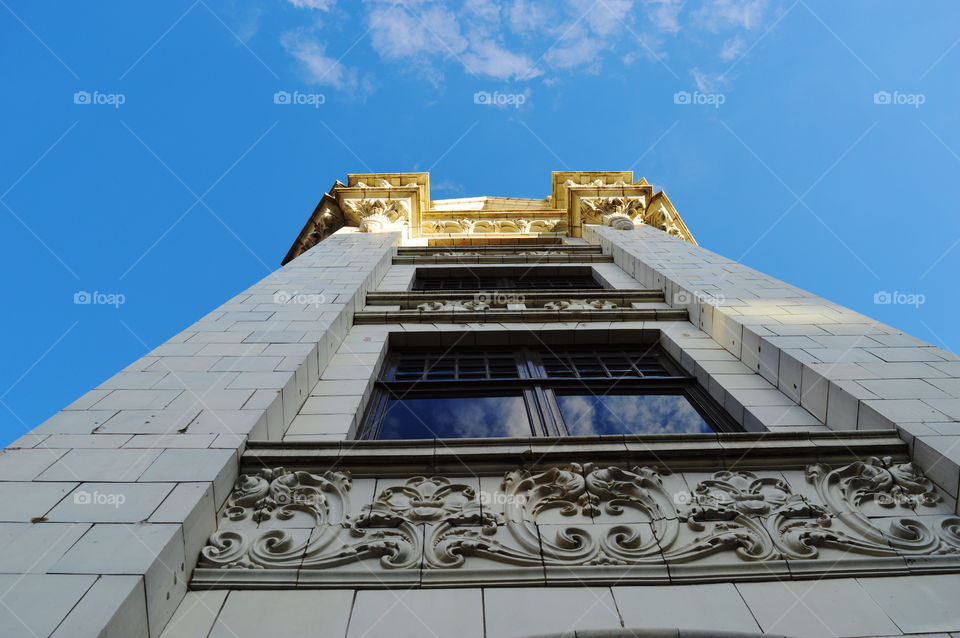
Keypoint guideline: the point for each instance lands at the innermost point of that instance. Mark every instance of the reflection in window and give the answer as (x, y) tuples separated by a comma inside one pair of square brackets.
[(630, 414), (455, 417), (426, 393)]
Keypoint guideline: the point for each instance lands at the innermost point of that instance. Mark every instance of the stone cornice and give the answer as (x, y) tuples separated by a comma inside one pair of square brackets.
[(378, 202)]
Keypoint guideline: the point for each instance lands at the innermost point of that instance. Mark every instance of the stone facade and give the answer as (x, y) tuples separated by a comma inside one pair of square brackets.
[(217, 486)]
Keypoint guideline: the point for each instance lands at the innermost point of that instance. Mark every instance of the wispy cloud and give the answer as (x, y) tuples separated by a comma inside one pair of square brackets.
[(708, 82), (323, 5), (322, 69), (664, 14), (717, 15), (732, 48), (517, 40)]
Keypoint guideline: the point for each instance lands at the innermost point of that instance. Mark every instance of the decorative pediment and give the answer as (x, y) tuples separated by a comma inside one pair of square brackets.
[(383, 202)]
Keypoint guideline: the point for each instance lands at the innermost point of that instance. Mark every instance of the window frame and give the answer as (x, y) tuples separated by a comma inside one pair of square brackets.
[(503, 277), (539, 390)]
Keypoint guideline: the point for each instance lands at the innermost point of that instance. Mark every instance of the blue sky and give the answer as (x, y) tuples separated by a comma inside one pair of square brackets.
[(144, 155)]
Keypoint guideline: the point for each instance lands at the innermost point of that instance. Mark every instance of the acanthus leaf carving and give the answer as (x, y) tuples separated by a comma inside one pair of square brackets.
[(618, 212), (376, 214)]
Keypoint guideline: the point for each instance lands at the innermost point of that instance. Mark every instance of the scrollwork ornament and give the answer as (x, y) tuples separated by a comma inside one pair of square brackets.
[(441, 523), (847, 489)]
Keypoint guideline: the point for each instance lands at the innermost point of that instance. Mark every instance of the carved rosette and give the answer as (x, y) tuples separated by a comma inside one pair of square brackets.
[(441, 524), (376, 215)]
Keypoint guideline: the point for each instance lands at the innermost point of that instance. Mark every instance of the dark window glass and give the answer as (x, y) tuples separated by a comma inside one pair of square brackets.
[(630, 414), (609, 364), (506, 283), (455, 417), (496, 392), (441, 366)]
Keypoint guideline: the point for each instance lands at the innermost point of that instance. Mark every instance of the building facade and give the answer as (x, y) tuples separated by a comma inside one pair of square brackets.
[(498, 417)]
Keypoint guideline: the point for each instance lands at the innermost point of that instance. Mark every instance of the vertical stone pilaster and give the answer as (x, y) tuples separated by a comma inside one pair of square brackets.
[(128, 478)]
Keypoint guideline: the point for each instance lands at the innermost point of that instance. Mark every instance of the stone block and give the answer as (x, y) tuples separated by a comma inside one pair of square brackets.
[(416, 613), (115, 607), (100, 465), (153, 551), (34, 604)]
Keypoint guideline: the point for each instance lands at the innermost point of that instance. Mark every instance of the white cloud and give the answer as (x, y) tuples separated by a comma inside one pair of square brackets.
[(484, 10), (517, 40), (664, 14), (525, 16), (396, 33), (708, 82), (716, 15), (732, 48), (489, 58), (323, 5), (580, 51), (605, 18), (321, 69)]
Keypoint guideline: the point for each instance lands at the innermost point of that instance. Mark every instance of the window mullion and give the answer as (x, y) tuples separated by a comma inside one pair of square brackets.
[(551, 411)]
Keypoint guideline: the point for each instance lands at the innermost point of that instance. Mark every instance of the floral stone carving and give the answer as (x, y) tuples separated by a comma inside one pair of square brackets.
[(581, 304), (466, 226), (618, 212), (431, 523), (376, 214), (434, 306)]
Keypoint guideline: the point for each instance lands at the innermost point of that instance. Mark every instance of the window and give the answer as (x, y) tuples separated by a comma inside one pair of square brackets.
[(497, 278), (427, 393)]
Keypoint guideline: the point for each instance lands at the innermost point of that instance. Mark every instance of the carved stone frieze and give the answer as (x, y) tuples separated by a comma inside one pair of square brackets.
[(375, 183), (468, 225), (581, 304), (615, 516), (458, 254), (434, 306)]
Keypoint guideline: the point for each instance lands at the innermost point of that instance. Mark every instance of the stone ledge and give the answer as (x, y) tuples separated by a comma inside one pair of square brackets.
[(784, 450)]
